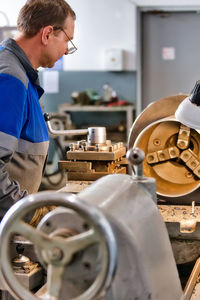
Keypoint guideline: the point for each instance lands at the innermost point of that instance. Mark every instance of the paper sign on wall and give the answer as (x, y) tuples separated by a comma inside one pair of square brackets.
[(168, 53), (51, 82)]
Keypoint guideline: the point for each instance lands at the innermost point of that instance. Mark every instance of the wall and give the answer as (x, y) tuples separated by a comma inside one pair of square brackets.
[(11, 9), (100, 25), (124, 83)]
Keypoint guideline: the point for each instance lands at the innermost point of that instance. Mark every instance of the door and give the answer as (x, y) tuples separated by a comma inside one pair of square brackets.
[(170, 54)]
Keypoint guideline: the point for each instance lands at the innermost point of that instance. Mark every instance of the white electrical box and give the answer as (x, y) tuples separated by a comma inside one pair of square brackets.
[(114, 59)]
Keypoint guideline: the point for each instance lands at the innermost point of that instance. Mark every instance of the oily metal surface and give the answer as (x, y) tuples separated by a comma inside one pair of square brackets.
[(157, 110), (95, 155), (182, 221)]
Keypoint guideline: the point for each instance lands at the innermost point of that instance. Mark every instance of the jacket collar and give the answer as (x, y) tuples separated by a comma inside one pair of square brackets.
[(13, 47)]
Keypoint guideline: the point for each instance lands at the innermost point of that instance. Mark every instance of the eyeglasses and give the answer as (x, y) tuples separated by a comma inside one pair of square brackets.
[(71, 49)]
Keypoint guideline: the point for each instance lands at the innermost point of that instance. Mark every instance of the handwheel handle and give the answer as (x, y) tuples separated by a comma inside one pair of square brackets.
[(14, 217)]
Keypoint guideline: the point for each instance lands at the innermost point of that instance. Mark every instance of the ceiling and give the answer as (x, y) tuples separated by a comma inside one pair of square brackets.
[(159, 3)]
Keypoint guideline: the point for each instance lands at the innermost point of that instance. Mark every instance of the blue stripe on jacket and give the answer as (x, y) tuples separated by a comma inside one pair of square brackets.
[(22, 114)]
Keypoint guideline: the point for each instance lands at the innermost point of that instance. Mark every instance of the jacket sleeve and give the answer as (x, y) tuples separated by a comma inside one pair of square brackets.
[(10, 191), (13, 113)]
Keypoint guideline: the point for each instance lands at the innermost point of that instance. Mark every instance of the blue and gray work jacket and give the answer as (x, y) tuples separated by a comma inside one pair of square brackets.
[(23, 133)]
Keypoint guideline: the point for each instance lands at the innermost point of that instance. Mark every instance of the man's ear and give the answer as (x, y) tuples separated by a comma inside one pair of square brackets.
[(46, 32)]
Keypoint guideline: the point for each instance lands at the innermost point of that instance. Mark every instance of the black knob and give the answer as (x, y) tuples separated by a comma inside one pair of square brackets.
[(195, 94), (46, 117), (20, 248)]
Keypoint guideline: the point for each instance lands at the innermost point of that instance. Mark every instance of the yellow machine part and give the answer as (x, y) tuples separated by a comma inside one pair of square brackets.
[(172, 151)]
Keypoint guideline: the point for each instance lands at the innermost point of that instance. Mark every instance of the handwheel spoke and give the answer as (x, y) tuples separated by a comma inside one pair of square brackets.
[(35, 236), (81, 241), (54, 280)]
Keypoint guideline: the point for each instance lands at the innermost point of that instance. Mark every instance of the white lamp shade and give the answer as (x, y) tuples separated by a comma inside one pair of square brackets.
[(188, 114)]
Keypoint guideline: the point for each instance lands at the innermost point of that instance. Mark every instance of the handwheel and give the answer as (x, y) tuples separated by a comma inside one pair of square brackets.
[(57, 253)]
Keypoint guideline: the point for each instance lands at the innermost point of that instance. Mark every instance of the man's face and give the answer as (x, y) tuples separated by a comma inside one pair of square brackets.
[(58, 44)]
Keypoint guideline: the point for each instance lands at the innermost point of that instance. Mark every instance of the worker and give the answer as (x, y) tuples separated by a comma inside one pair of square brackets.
[(45, 29)]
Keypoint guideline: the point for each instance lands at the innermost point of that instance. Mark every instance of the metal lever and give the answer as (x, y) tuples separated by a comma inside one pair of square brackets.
[(68, 132), (95, 135), (136, 156)]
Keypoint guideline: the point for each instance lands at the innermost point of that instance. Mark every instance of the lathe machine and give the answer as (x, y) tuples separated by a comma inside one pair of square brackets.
[(110, 240)]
